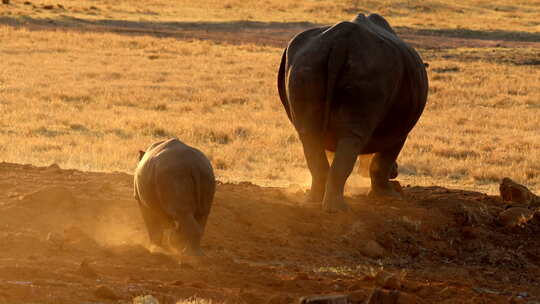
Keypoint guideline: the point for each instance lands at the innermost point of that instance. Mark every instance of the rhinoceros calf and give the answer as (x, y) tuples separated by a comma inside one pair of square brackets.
[(354, 88), (174, 185)]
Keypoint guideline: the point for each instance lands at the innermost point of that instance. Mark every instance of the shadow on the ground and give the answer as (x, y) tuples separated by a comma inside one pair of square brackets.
[(475, 34), (275, 34)]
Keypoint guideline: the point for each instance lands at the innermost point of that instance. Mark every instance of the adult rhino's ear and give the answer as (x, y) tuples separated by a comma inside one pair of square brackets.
[(141, 154)]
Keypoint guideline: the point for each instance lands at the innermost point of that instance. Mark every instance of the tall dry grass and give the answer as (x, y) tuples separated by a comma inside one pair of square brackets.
[(91, 100), (492, 15)]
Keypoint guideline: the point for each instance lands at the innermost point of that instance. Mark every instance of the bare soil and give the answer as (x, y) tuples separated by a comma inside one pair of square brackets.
[(68, 236), (71, 237)]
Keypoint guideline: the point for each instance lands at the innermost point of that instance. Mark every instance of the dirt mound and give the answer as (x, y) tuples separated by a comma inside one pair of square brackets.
[(69, 236)]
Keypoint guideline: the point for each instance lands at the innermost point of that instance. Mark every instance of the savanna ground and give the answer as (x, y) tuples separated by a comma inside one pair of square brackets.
[(85, 84)]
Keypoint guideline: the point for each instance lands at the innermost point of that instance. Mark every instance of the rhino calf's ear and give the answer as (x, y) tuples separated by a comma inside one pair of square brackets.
[(141, 154)]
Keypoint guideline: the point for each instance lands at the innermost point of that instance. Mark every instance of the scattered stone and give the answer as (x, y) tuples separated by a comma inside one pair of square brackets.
[(449, 253), (332, 299), (105, 292), (27, 3), (48, 7), (60, 6), (514, 192), (381, 296), (523, 294), (397, 186), (5, 1), (471, 232), (148, 299), (388, 280), (517, 300), (515, 217), (359, 296), (372, 249), (53, 168)]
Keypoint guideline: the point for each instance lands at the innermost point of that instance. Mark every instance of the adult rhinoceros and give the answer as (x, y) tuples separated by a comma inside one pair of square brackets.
[(354, 88)]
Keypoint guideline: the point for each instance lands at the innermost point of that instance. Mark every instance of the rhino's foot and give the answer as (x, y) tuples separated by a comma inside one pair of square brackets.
[(314, 196), (388, 193), (389, 190), (335, 205)]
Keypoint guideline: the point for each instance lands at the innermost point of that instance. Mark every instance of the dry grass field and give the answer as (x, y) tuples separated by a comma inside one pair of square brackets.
[(86, 84), (86, 98)]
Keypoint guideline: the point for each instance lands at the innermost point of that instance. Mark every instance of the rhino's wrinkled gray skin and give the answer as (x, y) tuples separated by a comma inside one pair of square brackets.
[(357, 89), (174, 185)]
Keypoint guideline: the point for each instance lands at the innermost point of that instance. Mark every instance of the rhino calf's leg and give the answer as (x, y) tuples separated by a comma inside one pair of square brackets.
[(155, 224), (342, 166), (383, 167), (189, 233), (318, 166)]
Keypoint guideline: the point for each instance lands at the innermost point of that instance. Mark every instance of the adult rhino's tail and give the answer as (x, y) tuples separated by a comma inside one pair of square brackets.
[(337, 57), (281, 84)]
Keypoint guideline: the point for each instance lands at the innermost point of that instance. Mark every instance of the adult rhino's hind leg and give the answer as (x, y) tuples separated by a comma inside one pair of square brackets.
[(342, 166), (364, 163), (384, 167), (318, 166)]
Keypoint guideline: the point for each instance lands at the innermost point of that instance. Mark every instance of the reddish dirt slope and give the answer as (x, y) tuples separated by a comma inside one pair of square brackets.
[(68, 236)]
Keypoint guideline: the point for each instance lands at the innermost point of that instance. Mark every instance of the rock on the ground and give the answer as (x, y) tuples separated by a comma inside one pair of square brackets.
[(515, 217), (5, 1), (148, 299), (514, 192), (372, 249), (388, 280), (397, 186), (328, 299), (105, 292), (382, 296)]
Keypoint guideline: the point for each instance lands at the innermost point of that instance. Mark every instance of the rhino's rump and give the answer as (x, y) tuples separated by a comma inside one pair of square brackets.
[(381, 84), (175, 180)]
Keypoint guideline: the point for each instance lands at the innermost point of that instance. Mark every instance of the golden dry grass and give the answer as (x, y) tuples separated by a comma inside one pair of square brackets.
[(486, 15), (91, 100)]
